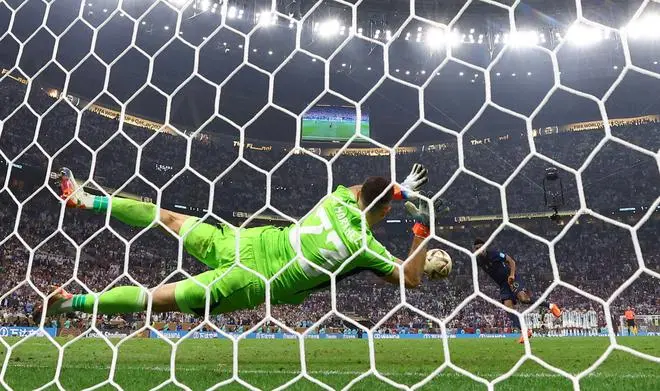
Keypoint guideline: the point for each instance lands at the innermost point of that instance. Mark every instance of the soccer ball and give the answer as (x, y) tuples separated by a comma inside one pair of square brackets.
[(438, 264)]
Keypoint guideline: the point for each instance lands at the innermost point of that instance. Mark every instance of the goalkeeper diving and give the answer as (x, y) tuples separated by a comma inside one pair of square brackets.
[(329, 237)]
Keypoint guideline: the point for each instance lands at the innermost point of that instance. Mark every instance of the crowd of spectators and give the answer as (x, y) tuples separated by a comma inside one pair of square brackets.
[(594, 256)]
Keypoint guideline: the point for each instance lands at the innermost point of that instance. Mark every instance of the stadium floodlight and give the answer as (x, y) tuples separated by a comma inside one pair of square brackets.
[(423, 72), (388, 34), (471, 31), (368, 68), (581, 35), (407, 72), (359, 31), (523, 38), (647, 27), (232, 12), (270, 52), (529, 73), (105, 10), (435, 38), (266, 19), (513, 74), (419, 29), (329, 28), (497, 74), (166, 27), (240, 14), (460, 73), (205, 5), (407, 36), (497, 38)]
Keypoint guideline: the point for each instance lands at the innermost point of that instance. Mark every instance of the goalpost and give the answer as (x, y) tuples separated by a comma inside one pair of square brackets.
[(444, 33)]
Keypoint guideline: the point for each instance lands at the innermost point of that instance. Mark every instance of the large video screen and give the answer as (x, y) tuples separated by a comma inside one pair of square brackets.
[(332, 123)]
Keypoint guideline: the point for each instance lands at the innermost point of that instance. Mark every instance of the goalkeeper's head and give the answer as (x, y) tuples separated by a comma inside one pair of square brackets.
[(374, 189)]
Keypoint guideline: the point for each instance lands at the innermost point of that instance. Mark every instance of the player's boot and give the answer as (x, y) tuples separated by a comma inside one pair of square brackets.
[(54, 303), (529, 336), (69, 189), (556, 311)]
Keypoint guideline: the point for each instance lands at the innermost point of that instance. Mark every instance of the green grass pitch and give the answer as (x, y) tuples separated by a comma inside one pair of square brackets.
[(320, 130), (145, 363)]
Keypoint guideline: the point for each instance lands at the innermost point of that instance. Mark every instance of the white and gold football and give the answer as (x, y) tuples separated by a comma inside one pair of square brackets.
[(438, 264)]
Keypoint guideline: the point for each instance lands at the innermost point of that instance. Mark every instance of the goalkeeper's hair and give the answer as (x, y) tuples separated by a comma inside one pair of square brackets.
[(373, 188), (479, 241)]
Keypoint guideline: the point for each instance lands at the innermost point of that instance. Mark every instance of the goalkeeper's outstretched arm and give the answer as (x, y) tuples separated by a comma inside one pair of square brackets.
[(413, 267)]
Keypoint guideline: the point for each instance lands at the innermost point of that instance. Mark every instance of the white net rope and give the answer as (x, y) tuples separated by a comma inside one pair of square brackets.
[(486, 72)]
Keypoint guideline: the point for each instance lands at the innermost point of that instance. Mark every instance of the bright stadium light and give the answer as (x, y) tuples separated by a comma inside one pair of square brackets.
[(329, 28), (581, 35), (647, 27), (523, 38), (205, 5), (359, 31), (240, 14), (388, 35), (407, 36), (232, 12), (435, 38)]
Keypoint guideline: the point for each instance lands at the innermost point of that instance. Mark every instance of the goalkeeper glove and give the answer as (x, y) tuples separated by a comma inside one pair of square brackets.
[(418, 176), (420, 213)]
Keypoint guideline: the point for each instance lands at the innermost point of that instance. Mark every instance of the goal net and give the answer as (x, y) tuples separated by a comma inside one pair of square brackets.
[(539, 126)]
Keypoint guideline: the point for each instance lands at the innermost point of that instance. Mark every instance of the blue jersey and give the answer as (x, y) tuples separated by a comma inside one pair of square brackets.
[(494, 264)]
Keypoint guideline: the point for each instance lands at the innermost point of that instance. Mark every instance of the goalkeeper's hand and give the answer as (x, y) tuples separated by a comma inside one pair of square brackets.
[(413, 183), (420, 213)]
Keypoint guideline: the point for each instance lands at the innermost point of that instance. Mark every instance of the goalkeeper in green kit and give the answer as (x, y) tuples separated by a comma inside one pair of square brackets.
[(327, 238)]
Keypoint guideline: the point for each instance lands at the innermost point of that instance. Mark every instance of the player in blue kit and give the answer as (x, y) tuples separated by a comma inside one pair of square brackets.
[(502, 269)]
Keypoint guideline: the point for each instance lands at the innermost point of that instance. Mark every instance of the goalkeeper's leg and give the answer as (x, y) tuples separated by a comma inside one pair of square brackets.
[(119, 300), (131, 212)]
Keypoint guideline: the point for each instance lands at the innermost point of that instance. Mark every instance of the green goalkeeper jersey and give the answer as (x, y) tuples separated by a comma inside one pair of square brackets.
[(330, 237)]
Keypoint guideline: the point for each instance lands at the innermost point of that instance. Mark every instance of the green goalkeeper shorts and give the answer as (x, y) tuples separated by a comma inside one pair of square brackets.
[(229, 288)]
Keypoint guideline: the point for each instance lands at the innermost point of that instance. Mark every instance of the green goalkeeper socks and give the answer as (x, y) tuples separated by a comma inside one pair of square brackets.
[(131, 212), (120, 300)]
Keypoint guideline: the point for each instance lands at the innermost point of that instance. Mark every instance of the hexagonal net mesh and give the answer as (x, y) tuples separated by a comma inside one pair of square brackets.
[(127, 142)]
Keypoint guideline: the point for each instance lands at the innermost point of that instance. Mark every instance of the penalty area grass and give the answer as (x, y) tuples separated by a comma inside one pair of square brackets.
[(145, 363)]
